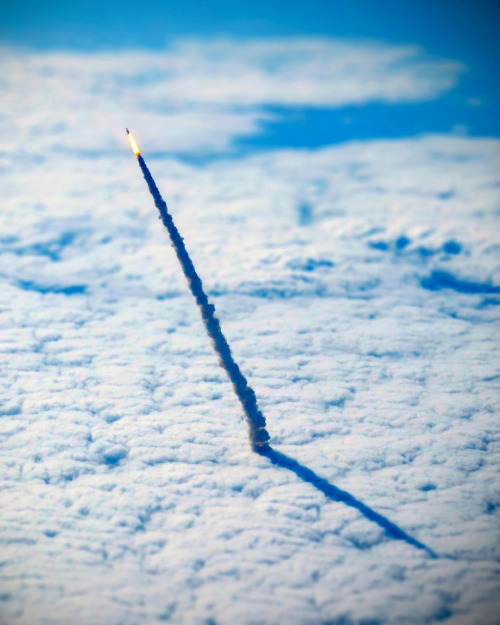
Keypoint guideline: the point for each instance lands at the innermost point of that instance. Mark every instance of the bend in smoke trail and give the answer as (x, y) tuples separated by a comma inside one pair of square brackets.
[(254, 417), (336, 494), (259, 436)]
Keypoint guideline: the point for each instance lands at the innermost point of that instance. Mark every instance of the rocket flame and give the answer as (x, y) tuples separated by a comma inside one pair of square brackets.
[(133, 143)]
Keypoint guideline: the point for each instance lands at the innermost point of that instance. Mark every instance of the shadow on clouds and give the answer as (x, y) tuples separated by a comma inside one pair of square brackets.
[(336, 494), (256, 422)]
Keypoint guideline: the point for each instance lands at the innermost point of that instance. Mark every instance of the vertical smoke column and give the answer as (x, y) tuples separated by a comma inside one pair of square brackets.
[(259, 436)]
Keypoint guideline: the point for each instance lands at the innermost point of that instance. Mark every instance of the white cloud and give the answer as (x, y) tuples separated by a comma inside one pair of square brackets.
[(199, 96), (129, 491)]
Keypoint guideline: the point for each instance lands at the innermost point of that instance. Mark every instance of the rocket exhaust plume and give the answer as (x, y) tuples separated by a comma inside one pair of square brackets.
[(133, 144), (256, 422)]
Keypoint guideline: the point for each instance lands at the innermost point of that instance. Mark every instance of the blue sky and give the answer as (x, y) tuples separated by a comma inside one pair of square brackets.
[(446, 27), (465, 31)]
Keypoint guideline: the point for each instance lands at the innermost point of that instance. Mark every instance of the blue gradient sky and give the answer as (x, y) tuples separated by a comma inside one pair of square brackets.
[(465, 31)]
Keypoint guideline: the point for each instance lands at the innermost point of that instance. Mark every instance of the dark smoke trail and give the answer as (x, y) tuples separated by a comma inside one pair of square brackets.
[(255, 419), (256, 422)]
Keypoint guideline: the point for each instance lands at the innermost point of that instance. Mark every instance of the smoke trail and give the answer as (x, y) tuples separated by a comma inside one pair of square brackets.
[(255, 419), (256, 422)]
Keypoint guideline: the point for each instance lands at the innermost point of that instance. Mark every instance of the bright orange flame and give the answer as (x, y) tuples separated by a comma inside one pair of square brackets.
[(133, 144)]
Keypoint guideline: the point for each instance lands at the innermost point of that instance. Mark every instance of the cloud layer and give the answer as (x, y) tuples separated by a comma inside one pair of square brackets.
[(129, 492), (199, 96), (129, 477)]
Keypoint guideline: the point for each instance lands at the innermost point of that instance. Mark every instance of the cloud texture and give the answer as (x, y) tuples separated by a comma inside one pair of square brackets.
[(129, 492), (200, 95)]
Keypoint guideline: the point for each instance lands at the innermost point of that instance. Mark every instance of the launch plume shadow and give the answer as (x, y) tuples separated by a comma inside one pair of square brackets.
[(256, 422), (336, 494)]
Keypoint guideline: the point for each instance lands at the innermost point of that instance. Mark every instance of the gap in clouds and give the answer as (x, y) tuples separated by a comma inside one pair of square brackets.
[(207, 97), (316, 127)]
